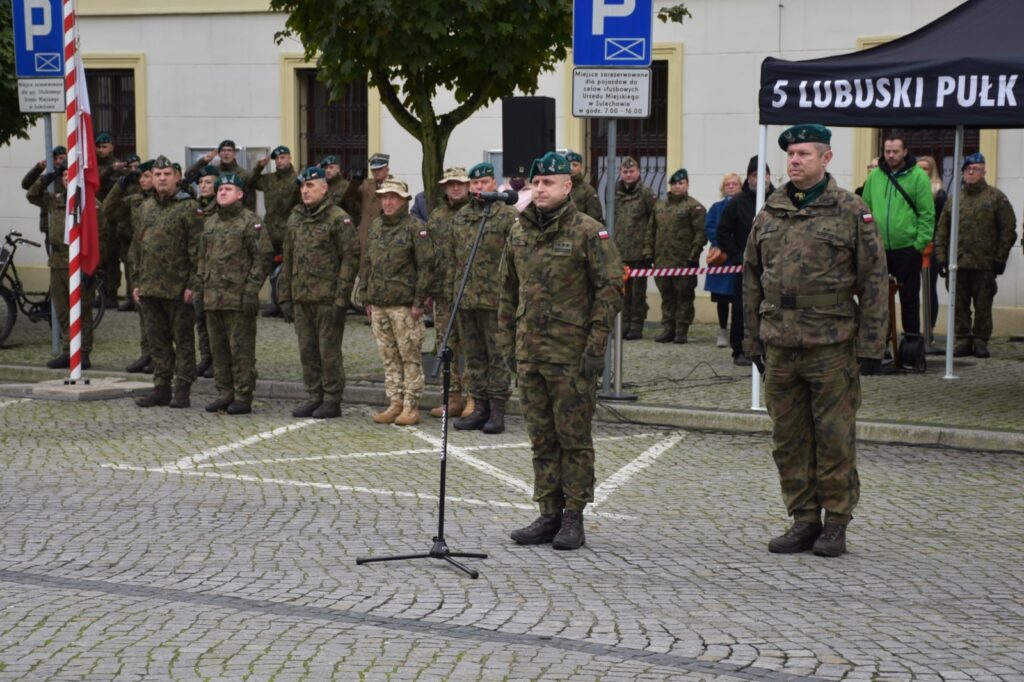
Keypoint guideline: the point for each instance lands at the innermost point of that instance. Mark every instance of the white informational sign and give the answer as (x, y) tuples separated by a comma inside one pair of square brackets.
[(41, 95), (611, 93)]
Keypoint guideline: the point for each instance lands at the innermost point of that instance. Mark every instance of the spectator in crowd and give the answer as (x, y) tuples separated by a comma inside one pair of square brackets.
[(928, 165), (722, 287)]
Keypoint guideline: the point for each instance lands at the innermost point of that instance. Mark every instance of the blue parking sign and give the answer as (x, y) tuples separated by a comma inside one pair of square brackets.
[(38, 38), (612, 32)]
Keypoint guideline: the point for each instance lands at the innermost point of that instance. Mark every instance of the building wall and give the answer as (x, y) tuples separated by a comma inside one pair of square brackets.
[(208, 73)]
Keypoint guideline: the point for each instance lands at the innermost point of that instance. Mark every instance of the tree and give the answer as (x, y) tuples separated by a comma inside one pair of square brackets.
[(411, 49), (13, 123)]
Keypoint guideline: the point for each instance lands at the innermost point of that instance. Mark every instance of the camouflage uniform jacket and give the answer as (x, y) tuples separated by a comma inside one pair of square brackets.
[(336, 188), (168, 245), (55, 205), (561, 287), (125, 205), (321, 256), (108, 175), (483, 288), (585, 197), (439, 225), (830, 246), (634, 219), (988, 228), (34, 174), (679, 235), (398, 265), (234, 256), (280, 196)]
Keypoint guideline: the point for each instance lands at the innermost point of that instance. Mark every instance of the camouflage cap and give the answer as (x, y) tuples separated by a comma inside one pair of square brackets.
[(146, 166), (481, 170), (229, 179), (311, 173), (679, 176), (454, 174), (281, 149), (573, 157), (805, 132), (971, 159), (57, 151), (133, 158), (628, 162), (104, 138), (176, 166), (230, 144), (209, 170), (378, 161), (329, 160), (394, 186), (551, 163), (162, 162)]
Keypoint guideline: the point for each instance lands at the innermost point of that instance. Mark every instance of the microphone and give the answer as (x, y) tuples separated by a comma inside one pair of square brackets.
[(509, 196)]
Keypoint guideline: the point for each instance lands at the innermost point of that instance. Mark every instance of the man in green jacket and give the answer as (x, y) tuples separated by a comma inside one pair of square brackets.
[(899, 195), (634, 238)]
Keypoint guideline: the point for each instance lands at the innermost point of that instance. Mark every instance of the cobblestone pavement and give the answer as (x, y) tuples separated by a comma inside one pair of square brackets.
[(989, 394), (154, 544)]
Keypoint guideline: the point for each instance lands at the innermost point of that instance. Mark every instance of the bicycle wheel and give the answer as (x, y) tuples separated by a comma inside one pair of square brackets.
[(8, 312), (99, 306)]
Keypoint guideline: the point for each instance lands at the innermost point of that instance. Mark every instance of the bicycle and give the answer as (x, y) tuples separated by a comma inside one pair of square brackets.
[(34, 305)]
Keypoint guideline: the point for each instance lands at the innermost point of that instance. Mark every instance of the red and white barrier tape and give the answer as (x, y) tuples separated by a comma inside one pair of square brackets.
[(685, 272)]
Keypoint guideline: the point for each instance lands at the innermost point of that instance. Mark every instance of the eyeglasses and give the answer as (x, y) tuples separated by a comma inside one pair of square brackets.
[(973, 170)]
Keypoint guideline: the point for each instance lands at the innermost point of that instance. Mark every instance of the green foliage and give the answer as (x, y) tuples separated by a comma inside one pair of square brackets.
[(675, 14), (12, 122)]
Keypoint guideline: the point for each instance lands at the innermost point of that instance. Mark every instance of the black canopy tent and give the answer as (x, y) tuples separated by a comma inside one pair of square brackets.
[(966, 68)]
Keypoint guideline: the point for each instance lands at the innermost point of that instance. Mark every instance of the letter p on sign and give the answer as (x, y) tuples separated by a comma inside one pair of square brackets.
[(34, 8), (604, 9)]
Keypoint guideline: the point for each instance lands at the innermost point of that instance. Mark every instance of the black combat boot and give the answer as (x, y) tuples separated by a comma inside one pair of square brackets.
[(542, 530), (681, 335), (832, 541), (477, 418), (799, 538), (86, 362), (204, 365), (158, 397), (666, 336), (139, 365), (239, 407), (981, 350), (963, 350), (570, 535), (218, 404), (271, 310), (496, 422), (181, 398), (62, 361), (126, 307), (306, 409), (327, 410), (634, 334)]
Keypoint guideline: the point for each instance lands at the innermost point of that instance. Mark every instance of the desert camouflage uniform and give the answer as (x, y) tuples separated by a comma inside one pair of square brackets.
[(802, 269), (634, 238), (585, 197), (321, 257), (988, 230), (234, 257), (678, 240), (440, 228), (561, 289)]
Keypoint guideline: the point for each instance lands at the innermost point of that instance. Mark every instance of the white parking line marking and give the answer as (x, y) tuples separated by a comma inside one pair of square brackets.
[(15, 401), (620, 477), (316, 458), (477, 464), (191, 461)]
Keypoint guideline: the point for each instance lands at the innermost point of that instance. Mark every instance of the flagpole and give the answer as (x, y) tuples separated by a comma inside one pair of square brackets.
[(74, 192)]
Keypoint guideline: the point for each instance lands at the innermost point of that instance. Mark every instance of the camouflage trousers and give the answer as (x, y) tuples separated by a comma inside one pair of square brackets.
[(400, 341), (442, 315), (144, 348), (812, 395), (203, 337), (677, 296), (111, 257), (233, 345), (634, 306), (320, 337), (558, 405), (170, 330), (60, 295), (977, 288), (486, 370)]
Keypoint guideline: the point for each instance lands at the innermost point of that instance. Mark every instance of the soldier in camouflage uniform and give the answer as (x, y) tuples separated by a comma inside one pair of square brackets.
[(561, 289), (110, 169), (337, 185), (167, 254), (678, 240), (56, 207), (60, 160), (280, 195), (456, 195), (988, 230), (207, 198), (634, 237), (583, 193), (486, 369), (812, 249), (226, 151), (368, 197), (234, 256), (321, 257), (397, 278)]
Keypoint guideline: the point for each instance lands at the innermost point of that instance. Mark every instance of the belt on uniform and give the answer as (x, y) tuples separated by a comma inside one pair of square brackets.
[(795, 301)]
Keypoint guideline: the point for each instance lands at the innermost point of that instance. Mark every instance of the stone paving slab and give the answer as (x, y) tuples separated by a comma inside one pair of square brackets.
[(90, 388)]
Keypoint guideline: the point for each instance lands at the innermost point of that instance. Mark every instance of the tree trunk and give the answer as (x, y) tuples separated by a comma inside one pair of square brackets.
[(434, 143)]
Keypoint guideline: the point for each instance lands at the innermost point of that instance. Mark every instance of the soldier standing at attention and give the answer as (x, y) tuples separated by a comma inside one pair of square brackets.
[(369, 197), (280, 195), (988, 229), (234, 256), (561, 289), (634, 237), (812, 249), (678, 240), (337, 185), (110, 169), (168, 248), (397, 278), (583, 193), (207, 208), (321, 257), (455, 183), (226, 152), (486, 367)]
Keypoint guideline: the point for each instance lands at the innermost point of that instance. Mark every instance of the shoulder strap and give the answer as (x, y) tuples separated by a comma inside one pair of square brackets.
[(899, 188)]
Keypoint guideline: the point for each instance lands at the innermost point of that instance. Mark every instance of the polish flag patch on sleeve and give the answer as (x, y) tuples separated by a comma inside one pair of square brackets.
[(603, 234), (867, 217), (423, 234)]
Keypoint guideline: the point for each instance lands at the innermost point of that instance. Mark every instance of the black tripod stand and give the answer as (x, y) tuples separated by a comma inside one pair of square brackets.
[(440, 548)]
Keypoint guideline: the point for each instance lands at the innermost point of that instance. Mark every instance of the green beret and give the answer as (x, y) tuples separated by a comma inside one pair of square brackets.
[(227, 143), (280, 150), (805, 132), (176, 166), (162, 162), (57, 151), (481, 170), (551, 163), (229, 179), (133, 158), (312, 173), (329, 160), (209, 170), (146, 166), (104, 138), (679, 176), (573, 157)]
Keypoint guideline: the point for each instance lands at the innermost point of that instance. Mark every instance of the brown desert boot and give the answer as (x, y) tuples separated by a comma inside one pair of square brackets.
[(389, 415), (570, 535)]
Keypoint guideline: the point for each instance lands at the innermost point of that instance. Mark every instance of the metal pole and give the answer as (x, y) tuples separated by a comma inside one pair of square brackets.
[(954, 235), (48, 155), (762, 166)]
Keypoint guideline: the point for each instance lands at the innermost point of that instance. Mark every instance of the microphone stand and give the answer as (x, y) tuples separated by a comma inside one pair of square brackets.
[(440, 549)]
